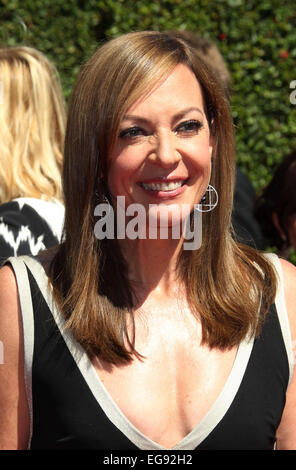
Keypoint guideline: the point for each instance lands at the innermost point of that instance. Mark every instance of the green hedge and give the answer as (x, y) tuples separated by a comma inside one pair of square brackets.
[(257, 40)]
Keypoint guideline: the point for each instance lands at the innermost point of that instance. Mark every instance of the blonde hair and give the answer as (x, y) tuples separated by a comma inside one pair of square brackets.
[(32, 125), (227, 284)]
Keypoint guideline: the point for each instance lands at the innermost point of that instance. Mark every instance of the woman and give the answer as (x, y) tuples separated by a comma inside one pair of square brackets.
[(32, 128), (275, 208), (163, 347)]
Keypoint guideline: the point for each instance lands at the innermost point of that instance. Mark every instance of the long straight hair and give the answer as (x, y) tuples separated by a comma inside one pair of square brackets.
[(229, 286)]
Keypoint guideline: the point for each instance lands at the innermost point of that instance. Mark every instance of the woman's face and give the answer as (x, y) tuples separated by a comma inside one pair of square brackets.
[(162, 155)]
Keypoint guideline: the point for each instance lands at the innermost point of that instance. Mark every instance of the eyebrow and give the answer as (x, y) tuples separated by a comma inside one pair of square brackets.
[(176, 117)]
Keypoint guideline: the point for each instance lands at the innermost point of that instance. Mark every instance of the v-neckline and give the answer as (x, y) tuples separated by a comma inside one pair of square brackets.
[(211, 419), (199, 432)]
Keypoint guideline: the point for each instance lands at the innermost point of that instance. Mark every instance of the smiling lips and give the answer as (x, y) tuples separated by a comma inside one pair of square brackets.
[(163, 185), (164, 188)]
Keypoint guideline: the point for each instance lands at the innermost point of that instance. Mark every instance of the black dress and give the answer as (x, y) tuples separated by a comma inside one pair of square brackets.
[(71, 409)]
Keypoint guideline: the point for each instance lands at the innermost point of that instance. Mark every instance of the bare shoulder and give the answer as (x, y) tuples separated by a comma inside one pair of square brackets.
[(9, 318), (9, 306), (286, 433), (289, 276), (7, 279), (14, 421), (289, 271)]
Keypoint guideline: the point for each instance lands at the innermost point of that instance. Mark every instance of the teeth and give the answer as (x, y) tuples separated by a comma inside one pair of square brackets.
[(162, 186)]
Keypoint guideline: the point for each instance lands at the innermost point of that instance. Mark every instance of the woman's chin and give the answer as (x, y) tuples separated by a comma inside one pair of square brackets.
[(169, 219)]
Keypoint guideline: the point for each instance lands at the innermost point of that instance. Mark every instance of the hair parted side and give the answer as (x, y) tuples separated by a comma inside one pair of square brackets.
[(32, 125), (89, 275)]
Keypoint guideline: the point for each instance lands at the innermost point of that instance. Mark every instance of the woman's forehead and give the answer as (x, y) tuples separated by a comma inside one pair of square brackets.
[(179, 89)]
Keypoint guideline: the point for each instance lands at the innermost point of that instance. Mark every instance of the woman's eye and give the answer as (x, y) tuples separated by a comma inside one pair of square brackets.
[(189, 127), (131, 133)]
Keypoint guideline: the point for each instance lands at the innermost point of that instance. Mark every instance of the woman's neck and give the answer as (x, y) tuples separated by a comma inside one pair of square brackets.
[(153, 263)]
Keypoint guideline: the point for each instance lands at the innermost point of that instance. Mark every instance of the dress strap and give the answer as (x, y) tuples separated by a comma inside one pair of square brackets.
[(27, 317), (281, 308)]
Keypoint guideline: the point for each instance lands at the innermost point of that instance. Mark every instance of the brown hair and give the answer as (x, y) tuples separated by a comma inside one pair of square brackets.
[(225, 281)]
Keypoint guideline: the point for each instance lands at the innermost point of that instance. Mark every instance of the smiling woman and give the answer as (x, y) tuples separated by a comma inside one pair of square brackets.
[(163, 157), (139, 343)]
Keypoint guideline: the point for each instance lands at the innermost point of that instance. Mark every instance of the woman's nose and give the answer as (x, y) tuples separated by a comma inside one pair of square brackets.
[(165, 153)]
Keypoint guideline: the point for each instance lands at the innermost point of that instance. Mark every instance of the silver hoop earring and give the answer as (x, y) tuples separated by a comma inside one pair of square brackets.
[(209, 200)]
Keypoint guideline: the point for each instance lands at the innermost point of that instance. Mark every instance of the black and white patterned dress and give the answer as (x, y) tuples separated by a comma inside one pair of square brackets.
[(29, 225)]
